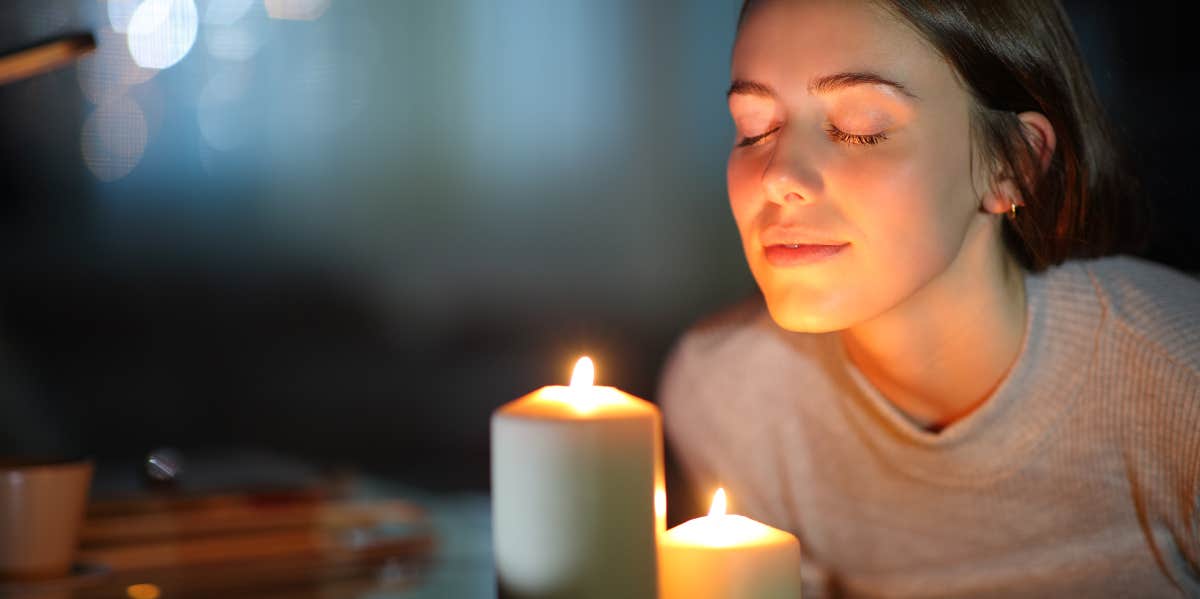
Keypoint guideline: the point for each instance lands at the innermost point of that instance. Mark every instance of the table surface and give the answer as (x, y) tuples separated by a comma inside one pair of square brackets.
[(358, 537)]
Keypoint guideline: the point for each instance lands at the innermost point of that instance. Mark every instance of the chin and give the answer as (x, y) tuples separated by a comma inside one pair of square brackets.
[(806, 306), (802, 317)]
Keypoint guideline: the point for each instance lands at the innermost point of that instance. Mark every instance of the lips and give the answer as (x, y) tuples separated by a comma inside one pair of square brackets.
[(799, 254)]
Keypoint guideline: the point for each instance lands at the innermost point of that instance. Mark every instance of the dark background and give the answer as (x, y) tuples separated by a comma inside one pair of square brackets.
[(349, 239)]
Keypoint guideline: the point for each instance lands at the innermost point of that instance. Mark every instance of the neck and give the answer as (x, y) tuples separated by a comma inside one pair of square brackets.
[(940, 353)]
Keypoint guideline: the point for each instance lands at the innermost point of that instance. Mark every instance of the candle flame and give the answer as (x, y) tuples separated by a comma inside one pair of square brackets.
[(585, 373), (718, 503), (721, 529)]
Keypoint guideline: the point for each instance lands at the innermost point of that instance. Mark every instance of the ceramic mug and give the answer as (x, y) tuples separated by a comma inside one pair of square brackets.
[(42, 506)]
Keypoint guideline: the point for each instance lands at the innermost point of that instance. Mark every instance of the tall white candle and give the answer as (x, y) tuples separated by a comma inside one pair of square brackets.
[(576, 484), (725, 556)]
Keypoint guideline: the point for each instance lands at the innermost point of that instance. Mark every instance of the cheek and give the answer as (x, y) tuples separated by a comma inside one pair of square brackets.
[(743, 188), (914, 206)]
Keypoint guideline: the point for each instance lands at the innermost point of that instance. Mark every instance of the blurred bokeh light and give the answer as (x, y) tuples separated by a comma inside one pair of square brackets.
[(226, 12), (304, 10), (114, 138), (108, 72), (120, 12), (162, 32)]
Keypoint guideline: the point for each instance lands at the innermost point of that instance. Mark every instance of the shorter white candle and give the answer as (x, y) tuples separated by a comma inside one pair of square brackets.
[(726, 556)]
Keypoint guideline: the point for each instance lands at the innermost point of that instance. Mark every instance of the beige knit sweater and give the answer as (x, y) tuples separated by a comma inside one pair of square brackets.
[(1079, 477)]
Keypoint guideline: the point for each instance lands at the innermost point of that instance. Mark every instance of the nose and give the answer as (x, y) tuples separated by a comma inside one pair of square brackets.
[(790, 177)]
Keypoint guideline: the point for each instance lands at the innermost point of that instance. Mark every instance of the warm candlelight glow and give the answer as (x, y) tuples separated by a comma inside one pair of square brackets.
[(721, 529), (584, 374), (660, 508), (723, 555), (718, 503), (581, 399), (143, 591)]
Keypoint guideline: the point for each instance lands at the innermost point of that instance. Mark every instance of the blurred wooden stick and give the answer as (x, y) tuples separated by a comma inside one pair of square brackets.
[(243, 518), (44, 57), (255, 551)]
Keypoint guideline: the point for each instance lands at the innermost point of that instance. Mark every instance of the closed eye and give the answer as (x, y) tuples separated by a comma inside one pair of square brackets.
[(753, 139), (855, 139)]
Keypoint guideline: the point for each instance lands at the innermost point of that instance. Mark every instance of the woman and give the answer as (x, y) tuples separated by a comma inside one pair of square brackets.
[(944, 390)]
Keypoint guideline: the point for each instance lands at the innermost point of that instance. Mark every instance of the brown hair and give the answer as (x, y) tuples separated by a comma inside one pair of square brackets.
[(1021, 55)]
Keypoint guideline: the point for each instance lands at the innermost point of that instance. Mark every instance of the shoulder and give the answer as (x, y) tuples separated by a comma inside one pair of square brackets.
[(1149, 370), (719, 340), (735, 328), (732, 362), (1147, 364), (1153, 308)]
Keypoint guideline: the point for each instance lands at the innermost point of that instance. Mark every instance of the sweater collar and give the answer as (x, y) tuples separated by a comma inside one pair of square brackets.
[(1062, 323)]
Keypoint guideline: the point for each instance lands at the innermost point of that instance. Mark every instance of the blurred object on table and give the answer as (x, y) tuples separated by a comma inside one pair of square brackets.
[(313, 536), (202, 472), (41, 511), (164, 465)]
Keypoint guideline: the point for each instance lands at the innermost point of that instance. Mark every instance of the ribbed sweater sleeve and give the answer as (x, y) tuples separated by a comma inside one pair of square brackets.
[(1150, 365)]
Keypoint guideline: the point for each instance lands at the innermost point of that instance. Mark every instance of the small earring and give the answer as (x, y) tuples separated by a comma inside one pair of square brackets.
[(1012, 210)]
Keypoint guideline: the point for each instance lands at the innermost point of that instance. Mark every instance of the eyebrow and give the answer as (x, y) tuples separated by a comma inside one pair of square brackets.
[(822, 85), (749, 88)]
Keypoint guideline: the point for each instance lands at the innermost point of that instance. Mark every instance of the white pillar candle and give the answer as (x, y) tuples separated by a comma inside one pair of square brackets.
[(725, 556), (577, 499)]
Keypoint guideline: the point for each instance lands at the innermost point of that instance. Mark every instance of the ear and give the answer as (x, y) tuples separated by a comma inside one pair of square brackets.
[(1039, 134)]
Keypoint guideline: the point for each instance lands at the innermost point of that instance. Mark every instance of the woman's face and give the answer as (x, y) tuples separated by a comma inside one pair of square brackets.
[(851, 176)]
